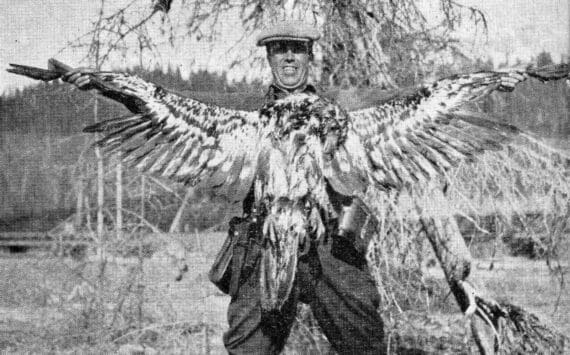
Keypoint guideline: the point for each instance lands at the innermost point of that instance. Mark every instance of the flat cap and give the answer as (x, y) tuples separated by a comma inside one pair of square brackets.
[(288, 31)]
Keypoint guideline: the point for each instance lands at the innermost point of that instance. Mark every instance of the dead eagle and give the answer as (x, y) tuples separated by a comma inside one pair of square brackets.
[(291, 149)]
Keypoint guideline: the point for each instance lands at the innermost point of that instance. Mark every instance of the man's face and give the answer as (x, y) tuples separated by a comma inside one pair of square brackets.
[(289, 61)]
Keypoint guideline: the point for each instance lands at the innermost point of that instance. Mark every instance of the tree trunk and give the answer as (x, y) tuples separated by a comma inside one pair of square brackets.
[(455, 259), (79, 195), (100, 178), (498, 328), (143, 192)]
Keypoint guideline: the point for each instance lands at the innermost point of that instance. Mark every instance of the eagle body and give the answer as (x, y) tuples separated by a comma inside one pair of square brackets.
[(295, 150), (290, 184)]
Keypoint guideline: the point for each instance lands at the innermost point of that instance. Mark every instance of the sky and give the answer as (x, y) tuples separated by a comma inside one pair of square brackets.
[(31, 31)]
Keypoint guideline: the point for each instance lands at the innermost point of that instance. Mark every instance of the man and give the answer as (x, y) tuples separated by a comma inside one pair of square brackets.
[(332, 276)]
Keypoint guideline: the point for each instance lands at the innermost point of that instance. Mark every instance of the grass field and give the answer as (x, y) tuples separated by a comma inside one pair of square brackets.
[(52, 305)]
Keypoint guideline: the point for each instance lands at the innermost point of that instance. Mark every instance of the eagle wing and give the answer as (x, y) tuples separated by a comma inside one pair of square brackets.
[(173, 136), (417, 136)]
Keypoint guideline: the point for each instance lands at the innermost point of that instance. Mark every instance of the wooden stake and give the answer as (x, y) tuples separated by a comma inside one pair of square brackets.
[(175, 225)]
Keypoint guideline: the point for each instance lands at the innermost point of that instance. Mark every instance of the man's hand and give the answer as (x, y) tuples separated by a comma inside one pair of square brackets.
[(79, 77), (508, 82)]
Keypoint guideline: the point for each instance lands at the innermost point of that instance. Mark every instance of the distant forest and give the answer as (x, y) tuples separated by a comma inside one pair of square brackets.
[(41, 140)]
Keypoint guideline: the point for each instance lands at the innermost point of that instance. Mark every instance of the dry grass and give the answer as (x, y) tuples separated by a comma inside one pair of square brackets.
[(66, 306), (46, 305)]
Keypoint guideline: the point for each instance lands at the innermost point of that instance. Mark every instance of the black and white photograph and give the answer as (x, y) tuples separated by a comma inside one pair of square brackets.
[(285, 177)]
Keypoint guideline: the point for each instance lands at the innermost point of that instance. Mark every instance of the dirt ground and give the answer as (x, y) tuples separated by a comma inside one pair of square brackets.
[(45, 305)]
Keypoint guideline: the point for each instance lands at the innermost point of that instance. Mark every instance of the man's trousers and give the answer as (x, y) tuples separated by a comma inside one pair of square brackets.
[(332, 278)]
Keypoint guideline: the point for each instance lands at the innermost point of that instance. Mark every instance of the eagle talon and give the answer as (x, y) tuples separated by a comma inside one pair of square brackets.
[(471, 294), (487, 309)]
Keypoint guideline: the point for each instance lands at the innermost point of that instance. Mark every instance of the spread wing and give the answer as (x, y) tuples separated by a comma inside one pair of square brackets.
[(173, 136), (417, 136)]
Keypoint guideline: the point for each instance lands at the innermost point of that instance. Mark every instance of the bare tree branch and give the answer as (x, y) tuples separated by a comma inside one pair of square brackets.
[(364, 42)]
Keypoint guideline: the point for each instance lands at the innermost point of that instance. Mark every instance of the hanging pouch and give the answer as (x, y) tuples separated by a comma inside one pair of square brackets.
[(238, 256), (220, 272)]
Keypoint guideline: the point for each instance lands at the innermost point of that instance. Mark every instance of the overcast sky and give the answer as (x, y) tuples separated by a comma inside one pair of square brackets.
[(31, 31)]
